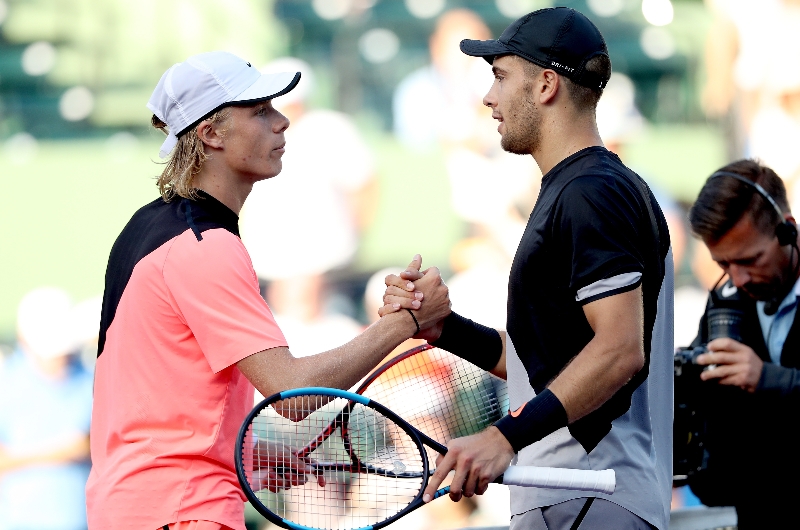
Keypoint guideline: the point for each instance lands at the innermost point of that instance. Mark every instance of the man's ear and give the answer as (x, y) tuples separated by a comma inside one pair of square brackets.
[(549, 85), (208, 133)]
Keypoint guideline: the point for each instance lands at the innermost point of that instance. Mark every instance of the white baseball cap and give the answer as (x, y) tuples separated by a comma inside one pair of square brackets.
[(191, 91)]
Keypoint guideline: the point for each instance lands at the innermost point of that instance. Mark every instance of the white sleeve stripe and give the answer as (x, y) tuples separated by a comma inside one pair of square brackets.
[(608, 284)]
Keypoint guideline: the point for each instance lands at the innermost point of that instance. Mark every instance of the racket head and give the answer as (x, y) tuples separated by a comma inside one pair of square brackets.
[(373, 478), (438, 393)]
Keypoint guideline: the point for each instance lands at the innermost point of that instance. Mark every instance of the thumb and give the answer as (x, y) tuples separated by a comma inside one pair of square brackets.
[(415, 264)]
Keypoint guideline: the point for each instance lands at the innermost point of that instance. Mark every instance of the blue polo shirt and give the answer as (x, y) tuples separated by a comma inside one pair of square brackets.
[(36, 414), (775, 328)]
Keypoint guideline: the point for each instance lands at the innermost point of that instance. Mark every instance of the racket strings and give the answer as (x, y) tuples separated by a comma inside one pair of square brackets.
[(441, 394), (353, 482)]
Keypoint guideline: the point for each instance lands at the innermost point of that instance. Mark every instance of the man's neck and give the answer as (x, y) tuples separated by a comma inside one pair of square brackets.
[(563, 136), (223, 186)]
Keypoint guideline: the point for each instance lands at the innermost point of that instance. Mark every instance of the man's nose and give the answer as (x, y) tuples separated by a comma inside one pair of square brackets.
[(739, 275), (281, 124), (489, 99)]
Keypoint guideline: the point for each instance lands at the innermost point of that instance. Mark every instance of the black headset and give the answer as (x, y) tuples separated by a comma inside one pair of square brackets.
[(786, 231)]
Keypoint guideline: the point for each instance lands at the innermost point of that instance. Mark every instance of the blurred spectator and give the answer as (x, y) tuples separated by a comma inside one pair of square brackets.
[(45, 412), (299, 309), (320, 201), (749, 49), (480, 264), (441, 103), (307, 221), (441, 106), (618, 119)]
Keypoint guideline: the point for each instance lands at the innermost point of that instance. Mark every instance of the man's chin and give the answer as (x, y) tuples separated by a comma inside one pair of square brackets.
[(761, 295), (513, 146)]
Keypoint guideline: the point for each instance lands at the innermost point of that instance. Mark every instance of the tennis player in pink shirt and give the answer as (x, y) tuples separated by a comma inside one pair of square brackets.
[(185, 335)]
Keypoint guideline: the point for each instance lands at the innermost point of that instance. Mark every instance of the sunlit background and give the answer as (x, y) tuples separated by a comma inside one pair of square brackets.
[(412, 155)]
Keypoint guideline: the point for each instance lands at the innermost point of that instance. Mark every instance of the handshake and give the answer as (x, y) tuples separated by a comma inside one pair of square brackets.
[(423, 294)]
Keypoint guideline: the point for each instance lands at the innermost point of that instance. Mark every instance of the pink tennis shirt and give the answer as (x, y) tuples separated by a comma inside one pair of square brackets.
[(181, 308)]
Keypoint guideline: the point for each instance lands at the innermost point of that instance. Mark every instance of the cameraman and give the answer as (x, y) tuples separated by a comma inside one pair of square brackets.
[(751, 385)]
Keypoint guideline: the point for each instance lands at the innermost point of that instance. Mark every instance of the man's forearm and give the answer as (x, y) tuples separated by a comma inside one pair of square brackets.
[(593, 377), (276, 369), (779, 381)]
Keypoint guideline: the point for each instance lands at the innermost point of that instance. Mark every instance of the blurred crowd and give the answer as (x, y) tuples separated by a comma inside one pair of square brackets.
[(46, 382)]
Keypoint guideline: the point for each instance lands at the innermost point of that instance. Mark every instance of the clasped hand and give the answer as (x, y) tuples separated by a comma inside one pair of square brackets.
[(734, 364), (276, 467), (477, 461), (408, 290)]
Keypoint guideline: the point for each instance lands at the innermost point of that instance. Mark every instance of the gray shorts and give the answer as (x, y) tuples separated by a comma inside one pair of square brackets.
[(601, 515)]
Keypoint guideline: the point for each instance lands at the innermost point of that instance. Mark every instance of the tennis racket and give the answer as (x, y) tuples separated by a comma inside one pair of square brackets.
[(320, 458), (438, 393)]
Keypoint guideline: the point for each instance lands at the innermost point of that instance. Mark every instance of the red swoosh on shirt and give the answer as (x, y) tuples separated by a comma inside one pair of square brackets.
[(518, 411)]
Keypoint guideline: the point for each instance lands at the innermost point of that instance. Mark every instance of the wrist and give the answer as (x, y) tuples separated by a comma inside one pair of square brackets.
[(473, 342), (416, 322), (500, 441), (534, 420), (401, 325)]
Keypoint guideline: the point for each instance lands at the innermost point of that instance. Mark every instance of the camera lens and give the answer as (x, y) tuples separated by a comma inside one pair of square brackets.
[(724, 322)]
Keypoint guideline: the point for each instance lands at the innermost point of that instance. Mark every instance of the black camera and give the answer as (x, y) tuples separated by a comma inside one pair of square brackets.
[(690, 423)]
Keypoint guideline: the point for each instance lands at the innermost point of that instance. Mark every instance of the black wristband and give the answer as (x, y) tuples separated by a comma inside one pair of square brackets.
[(473, 342), (415, 319), (533, 421)]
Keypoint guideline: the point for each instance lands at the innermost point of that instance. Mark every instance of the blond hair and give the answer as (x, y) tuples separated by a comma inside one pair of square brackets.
[(186, 159)]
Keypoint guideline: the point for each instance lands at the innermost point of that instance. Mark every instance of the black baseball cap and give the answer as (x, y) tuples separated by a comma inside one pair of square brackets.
[(558, 38)]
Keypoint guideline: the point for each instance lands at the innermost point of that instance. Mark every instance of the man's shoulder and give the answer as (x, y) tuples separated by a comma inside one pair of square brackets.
[(215, 242), (594, 168), (148, 214), (218, 254), (148, 228), (152, 207)]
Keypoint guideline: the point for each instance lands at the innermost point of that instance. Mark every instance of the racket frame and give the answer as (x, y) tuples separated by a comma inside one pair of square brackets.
[(338, 421), (353, 399), (391, 362)]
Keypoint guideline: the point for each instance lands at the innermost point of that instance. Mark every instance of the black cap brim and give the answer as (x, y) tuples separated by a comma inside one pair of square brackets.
[(488, 49)]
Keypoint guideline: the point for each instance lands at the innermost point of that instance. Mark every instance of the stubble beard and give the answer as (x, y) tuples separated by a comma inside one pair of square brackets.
[(524, 136)]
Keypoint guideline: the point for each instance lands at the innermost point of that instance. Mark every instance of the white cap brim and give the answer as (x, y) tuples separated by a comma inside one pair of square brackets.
[(265, 87), (269, 86)]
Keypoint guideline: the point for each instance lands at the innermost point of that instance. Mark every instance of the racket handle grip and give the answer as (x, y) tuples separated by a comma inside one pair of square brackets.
[(604, 481)]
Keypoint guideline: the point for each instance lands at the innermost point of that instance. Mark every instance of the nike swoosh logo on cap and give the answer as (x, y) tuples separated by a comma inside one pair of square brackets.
[(728, 290)]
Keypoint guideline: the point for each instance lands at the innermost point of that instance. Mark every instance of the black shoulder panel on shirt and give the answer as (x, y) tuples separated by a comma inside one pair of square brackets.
[(150, 227)]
